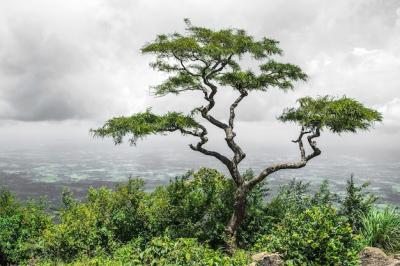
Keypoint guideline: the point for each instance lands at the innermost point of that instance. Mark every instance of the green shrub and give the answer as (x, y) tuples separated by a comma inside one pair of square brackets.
[(186, 251), (293, 197), (197, 205), (317, 236), (98, 225), (20, 228), (324, 196), (122, 210), (79, 233), (164, 251), (381, 228), (356, 204)]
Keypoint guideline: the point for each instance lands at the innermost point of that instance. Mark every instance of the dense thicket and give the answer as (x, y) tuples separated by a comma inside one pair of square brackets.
[(183, 224)]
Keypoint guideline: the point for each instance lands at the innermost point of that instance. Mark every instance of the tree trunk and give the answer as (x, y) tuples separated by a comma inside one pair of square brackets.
[(236, 218)]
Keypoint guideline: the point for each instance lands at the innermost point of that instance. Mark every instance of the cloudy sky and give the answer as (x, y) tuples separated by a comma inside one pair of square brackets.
[(66, 66)]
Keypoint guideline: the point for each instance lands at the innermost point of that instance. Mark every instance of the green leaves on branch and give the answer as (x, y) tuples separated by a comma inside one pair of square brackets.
[(202, 54), (206, 44), (143, 124), (273, 74), (178, 83), (336, 114)]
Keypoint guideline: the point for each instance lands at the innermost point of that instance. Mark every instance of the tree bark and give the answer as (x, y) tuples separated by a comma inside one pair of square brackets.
[(236, 218)]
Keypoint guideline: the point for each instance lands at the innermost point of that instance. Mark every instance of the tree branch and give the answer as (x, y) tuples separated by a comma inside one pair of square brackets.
[(184, 68), (295, 165), (243, 94), (199, 147), (239, 155)]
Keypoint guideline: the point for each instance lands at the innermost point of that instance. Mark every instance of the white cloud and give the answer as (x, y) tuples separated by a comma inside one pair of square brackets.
[(391, 114), (63, 60)]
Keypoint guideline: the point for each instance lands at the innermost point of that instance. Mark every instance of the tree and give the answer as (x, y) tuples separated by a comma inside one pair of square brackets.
[(209, 61)]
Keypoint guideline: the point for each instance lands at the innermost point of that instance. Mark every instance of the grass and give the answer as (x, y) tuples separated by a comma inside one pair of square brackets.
[(381, 228)]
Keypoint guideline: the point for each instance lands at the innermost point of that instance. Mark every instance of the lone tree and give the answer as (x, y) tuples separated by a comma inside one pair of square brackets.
[(210, 61)]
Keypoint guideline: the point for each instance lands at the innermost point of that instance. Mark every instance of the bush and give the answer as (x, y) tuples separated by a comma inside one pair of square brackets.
[(99, 225), (164, 251), (291, 198), (356, 204), (199, 205), (186, 251), (20, 228), (184, 222), (317, 236), (381, 228)]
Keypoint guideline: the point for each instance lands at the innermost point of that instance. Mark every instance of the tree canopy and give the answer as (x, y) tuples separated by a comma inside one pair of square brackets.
[(143, 124), (203, 55), (336, 114), (211, 61)]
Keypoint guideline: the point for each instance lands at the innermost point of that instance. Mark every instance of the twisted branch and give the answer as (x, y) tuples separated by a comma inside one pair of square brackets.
[(295, 165)]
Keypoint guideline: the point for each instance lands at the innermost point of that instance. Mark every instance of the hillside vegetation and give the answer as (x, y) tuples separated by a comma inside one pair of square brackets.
[(183, 224)]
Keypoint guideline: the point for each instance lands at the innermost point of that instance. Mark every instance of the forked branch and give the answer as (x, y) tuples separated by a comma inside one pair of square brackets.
[(294, 165)]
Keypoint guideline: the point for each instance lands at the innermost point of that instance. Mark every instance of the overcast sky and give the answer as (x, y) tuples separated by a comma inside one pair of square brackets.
[(66, 66)]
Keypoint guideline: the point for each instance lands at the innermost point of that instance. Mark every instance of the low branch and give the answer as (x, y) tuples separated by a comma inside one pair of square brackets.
[(295, 165)]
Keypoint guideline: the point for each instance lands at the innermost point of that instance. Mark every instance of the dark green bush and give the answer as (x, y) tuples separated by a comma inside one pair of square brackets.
[(186, 251), (356, 204), (21, 227), (98, 225), (184, 222), (293, 197), (317, 236), (164, 251), (197, 205)]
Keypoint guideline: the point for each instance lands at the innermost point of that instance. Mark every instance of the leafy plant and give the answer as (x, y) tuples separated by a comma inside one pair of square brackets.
[(163, 251), (198, 205), (293, 197), (20, 228), (356, 204), (381, 228), (317, 236)]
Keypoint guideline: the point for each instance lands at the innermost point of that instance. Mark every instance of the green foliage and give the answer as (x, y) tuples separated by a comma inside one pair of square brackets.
[(356, 204), (143, 124), (193, 207), (164, 251), (317, 236), (99, 225), (79, 233), (324, 196), (199, 205), (185, 251), (20, 228), (196, 205), (202, 53), (336, 114), (183, 224), (291, 198), (194, 61), (381, 228)]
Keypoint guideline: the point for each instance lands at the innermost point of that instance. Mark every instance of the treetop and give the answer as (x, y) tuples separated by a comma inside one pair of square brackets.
[(201, 55), (335, 114)]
